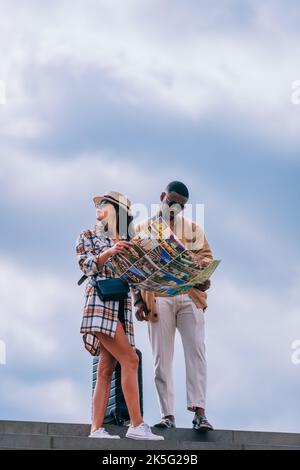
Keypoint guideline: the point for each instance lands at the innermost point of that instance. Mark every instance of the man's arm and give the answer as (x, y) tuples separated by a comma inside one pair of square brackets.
[(204, 251), (141, 312), (206, 257)]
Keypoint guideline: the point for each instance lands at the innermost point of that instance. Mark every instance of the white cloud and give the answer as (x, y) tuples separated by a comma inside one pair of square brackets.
[(252, 382), (47, 375), (199, 73), (55, 183), (28, 311), (60, 399), (24, 127), (40, 314), (57, 186), (250, 331)]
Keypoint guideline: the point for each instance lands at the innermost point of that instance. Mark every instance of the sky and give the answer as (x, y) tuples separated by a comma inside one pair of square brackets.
[(129, 95)]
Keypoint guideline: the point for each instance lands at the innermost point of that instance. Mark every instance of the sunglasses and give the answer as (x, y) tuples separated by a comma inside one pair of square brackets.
[(101, 203), (172, 203)]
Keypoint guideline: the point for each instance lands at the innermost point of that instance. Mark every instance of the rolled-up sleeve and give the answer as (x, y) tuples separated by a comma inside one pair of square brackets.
[(86, 257), (204, 250)]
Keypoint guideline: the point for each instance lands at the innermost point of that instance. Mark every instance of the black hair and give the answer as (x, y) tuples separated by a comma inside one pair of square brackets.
[(179, 188), (123, 222)]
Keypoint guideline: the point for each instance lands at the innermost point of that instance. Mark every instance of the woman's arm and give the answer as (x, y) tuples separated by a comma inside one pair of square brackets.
[(87, 260), (103, 258), (90, 263), (119, 247)]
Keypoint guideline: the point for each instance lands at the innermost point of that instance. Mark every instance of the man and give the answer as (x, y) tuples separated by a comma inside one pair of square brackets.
[(184, 312)]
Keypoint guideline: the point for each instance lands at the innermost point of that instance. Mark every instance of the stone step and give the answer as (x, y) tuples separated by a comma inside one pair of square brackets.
[(44, 442), (39, 435)]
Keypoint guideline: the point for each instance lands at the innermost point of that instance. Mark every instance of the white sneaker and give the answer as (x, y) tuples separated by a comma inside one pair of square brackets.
[(143, 431), (101, 433)]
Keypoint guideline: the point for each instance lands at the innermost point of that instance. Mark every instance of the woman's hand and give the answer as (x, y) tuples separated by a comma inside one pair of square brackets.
[(120, 247)]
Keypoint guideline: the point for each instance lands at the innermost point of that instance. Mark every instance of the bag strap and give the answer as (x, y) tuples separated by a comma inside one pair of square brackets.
[(121, 312), (109, 263), (81, 280)]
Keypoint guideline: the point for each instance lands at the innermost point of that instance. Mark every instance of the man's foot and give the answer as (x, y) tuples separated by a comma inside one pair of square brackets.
[(167, 422), (200, 423), (142, 432), (101, 433)]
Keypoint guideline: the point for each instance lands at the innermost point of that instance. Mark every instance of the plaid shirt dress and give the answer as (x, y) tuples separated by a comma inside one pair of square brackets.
[(98, 316)]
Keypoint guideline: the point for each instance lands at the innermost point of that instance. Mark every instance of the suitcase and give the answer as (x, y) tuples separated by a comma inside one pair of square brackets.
[(117, 412)]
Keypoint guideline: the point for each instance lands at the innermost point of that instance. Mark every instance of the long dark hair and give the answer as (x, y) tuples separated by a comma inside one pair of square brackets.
[(124, 220)]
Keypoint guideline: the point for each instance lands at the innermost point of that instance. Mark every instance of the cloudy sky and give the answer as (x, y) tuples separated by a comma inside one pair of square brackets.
[(128, 95)]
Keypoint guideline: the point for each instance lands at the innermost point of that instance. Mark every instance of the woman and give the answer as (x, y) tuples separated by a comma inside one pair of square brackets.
[(103, 328)]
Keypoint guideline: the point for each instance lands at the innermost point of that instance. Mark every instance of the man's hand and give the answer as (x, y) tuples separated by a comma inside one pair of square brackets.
[(203, 287), (203, 263), (142, 311)]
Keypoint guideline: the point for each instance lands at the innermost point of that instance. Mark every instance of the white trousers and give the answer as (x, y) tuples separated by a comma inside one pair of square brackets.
[(178, 312)]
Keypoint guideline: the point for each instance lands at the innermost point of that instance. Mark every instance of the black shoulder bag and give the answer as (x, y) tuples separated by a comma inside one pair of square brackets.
[(110, 289)]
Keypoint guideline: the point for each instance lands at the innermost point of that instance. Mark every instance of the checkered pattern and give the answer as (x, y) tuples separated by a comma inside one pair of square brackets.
[(99, 316)]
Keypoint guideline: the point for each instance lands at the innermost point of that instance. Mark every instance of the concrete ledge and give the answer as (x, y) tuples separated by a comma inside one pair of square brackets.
[(268, 447), (38, 435), (276, 438), (23, 427), (25, 441), (128, 444)]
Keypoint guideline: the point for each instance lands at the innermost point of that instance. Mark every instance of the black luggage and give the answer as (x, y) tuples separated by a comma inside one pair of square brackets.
[(117, 412)]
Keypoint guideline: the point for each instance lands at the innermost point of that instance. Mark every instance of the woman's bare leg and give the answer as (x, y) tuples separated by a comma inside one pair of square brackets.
[(105, 370), (120, 348)]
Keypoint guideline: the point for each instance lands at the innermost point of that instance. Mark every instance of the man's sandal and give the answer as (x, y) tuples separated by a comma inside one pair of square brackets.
[(200, 423), (165, 423)]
